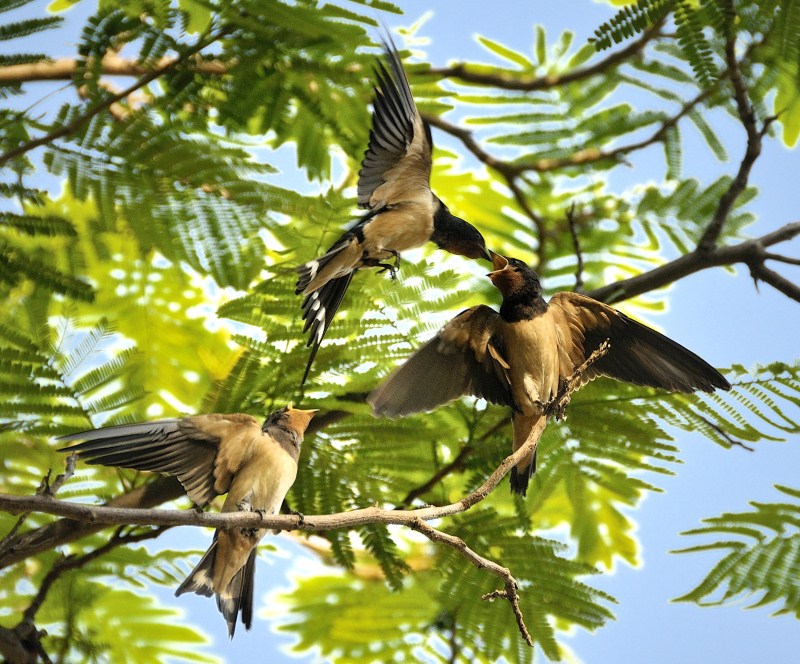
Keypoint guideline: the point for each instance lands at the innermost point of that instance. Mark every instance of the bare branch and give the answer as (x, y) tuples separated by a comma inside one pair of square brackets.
[(45, 538), (530, 84), (709, 238), (74, 562), (510, 591), (749, 252), (455, 465), (110, 515), (780, 283)]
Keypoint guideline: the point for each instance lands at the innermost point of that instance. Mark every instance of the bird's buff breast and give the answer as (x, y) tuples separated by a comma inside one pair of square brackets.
[(263, 479), (532, 353), (405, 226)]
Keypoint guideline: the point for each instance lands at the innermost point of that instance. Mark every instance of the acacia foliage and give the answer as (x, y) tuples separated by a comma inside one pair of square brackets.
[(146, 268)]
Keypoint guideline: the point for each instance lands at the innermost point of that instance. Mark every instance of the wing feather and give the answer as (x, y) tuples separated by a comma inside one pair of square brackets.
[(185, 447), (638, 354), (397, 162), (465, 357)]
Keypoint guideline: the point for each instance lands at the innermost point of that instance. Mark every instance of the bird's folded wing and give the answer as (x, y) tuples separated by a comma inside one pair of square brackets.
[(397, 163), (638, 354), (465, 357), (185, 447)]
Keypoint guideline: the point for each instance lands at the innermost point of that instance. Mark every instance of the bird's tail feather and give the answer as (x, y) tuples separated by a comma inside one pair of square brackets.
[(238, 596), (319, 308), (201, 580), (521, 475)]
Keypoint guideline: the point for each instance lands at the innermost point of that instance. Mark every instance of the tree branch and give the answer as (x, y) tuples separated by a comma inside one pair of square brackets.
[(64, 69), (530, 84), (509, 592), (100, 106), (749, 252), (576, 245), (455, 465), (112, 515), (745, 109)]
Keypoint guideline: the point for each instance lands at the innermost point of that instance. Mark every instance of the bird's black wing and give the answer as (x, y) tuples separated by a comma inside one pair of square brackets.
[(638, 354), (398, 158), (178, 447), (465, 357)]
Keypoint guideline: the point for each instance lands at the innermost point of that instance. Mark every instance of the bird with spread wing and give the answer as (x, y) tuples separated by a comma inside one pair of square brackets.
[(254, 464), (403, 212), (522, 355)]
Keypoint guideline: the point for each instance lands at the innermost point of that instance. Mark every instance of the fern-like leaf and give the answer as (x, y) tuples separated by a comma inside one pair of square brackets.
[(763, 555)]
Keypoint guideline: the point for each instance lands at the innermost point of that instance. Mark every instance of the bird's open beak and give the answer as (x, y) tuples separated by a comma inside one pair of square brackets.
[(301, 418), (499, 263)]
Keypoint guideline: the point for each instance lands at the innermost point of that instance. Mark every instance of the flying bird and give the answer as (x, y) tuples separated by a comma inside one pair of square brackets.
[(403, 212), (521, 356), (210, 455)]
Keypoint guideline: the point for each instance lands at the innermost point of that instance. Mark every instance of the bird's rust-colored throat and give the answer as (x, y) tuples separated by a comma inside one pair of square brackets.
[(504, 277)]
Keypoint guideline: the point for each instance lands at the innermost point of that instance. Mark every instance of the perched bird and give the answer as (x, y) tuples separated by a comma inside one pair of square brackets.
[(521, 356), (394, 184), (210, 455)]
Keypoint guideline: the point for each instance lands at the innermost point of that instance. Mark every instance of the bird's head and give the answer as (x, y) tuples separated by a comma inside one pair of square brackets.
[(457, 236), (291, 419), (471, 243), (513, 278)]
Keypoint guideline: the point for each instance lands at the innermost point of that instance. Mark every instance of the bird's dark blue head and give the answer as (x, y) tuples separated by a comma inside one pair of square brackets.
[(457, 236), (514, 279)]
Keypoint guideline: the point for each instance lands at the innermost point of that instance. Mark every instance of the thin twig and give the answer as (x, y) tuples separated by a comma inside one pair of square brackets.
[(510, 592), (529, 84), (455, 465), (731, 441), (748, 252), (576, 245), (74, 562)]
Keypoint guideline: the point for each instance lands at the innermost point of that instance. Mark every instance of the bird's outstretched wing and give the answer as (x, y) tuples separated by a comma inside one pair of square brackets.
[(637, 354), (186, 447), (397, 162), (465, 357)]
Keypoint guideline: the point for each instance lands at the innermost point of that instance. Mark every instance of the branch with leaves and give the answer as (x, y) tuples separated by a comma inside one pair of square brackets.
[(414, 519)]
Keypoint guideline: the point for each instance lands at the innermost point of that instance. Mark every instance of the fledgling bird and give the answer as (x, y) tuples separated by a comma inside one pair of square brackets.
[(521, 356), (254, 464), (394, 185)]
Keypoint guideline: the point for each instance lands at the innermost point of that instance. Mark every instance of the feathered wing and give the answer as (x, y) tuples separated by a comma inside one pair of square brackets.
[(398, 158), (637, 354), (465, 357), (186, 448), (396, 169)]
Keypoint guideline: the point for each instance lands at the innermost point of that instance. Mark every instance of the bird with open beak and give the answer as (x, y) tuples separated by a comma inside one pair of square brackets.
[(403, 212), (522, 355), (254, 464)]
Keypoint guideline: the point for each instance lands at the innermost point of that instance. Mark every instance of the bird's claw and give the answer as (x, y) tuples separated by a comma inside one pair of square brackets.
[(301, 519), (392, 269), (251, 532)]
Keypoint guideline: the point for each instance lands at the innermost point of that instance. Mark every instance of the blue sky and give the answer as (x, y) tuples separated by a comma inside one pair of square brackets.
[(720, 316)]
